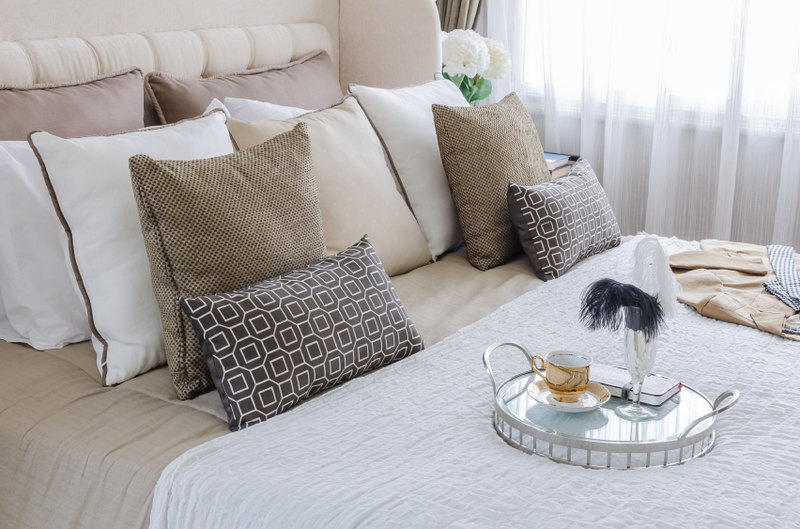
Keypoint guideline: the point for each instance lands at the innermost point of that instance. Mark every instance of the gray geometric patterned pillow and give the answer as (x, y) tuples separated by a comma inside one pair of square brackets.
[(274, 344), (563, 221)]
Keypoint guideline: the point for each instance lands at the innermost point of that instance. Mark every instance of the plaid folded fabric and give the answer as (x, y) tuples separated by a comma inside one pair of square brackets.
[(787, 285)]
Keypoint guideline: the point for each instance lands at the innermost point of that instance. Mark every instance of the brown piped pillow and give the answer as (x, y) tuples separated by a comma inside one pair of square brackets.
[(103, 105), (274, 344), (563, 221), (483, 149), (223, 223), (310, 82)]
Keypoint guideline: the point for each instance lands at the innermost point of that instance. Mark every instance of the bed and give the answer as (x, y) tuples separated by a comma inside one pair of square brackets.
[(76, 453)]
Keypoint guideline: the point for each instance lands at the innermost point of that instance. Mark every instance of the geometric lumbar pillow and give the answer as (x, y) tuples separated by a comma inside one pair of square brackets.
[(272, 345), (563, 221)]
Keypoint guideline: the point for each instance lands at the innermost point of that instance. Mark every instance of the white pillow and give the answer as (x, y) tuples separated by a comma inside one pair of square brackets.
[(404, 120), (41, 305), (91, 182), (250, 110)]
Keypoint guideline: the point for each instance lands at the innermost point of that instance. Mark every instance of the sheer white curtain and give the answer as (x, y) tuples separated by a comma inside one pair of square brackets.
[(688, 110)]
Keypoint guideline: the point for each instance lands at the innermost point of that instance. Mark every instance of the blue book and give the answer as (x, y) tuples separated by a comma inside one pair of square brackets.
[(555, 160)]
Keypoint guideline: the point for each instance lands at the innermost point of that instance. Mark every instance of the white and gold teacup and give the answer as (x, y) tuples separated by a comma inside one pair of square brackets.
[(565, 373)]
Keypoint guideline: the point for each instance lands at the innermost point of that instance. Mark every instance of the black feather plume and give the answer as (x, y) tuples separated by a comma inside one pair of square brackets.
[(603, 300)]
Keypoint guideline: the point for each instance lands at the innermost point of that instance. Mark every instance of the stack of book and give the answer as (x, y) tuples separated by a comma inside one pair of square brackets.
[(559, 164)]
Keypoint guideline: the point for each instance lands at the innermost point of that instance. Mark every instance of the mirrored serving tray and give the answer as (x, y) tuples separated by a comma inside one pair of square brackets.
[(682, 429)]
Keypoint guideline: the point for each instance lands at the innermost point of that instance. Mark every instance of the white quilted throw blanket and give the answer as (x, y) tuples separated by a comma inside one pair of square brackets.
[(412, 444)]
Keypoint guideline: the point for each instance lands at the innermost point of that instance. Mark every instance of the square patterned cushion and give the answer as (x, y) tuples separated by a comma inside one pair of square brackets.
[(276, 343), (310, 82), (218, 224), (563, 221), (484, 149)]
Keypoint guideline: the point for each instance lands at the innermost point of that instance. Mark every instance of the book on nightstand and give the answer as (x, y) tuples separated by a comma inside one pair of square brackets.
[(555, 160), (561, 171), (656, 390), (559, 164)]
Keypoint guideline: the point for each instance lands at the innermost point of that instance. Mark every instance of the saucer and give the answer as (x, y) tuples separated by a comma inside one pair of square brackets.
[(595, 396)]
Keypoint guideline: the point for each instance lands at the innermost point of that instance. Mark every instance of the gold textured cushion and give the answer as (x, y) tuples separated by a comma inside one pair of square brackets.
[(221, 224), (484, 149), (356, 188)]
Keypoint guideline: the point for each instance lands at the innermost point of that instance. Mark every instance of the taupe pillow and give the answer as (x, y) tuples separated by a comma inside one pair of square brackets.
[(223, 223), (563, 221), (103, 105), (272, 345), (356, 188), (310, 82), (483, 149)]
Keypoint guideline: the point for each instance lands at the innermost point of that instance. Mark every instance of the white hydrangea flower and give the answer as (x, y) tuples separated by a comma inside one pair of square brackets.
[(499, 59), (464, 52)]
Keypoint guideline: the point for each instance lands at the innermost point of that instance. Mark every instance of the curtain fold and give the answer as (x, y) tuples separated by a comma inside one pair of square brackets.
[(688, 111), (458, 14)]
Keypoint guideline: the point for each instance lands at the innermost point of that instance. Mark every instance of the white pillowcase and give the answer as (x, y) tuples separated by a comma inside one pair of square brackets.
[(404, 120), (40, 304), (250, 110), (91, 181)]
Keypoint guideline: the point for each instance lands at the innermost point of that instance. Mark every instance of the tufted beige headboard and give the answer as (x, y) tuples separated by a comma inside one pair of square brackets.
[(374, 42)]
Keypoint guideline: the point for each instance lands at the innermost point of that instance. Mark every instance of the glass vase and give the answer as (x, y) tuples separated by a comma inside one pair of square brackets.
[(640, 356)]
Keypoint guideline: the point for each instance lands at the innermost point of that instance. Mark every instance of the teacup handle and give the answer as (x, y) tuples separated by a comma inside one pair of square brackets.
[(534, 358)]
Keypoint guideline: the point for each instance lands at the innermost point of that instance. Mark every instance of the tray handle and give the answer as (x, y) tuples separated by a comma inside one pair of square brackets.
[(488, 366), (731, 396)]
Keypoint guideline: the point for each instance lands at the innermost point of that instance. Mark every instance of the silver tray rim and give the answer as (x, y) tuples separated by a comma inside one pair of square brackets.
[(706, 436)]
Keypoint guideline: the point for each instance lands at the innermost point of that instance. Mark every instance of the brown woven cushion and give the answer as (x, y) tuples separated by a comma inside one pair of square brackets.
[(104, 105), (311, 82), (274, 344), (484, 149), (563, 221), (220, 224)]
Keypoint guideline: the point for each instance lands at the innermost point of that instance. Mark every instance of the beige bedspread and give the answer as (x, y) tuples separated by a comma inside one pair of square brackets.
[(76, 454)]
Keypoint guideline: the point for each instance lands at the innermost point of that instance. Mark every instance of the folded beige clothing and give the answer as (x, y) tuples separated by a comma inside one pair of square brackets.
[(723, 282), (696, 259)]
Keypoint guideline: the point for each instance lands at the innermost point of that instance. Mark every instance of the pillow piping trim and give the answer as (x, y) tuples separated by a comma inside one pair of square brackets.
[(74, 264)]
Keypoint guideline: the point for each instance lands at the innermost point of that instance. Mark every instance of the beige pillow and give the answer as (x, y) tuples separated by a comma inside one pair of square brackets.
[(356, 189), (103, 105), (220, 224), (484, 149), (310, 82)]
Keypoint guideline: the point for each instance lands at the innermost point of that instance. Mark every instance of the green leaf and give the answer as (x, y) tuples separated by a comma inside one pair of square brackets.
[(463, 83), (466, 88), (482, 90)]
